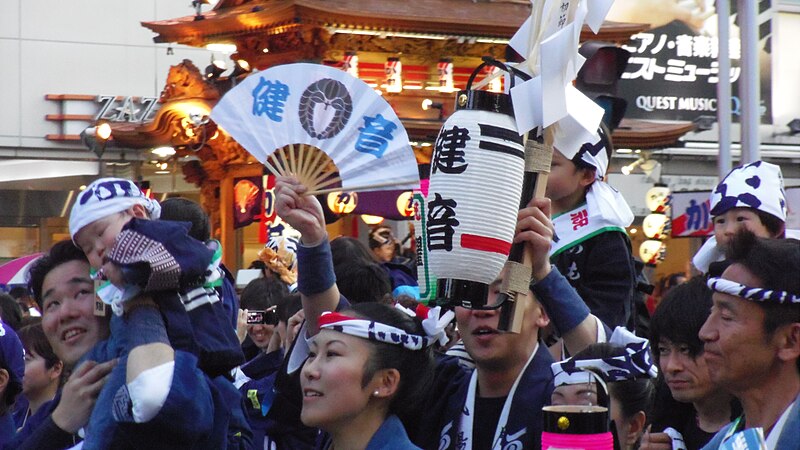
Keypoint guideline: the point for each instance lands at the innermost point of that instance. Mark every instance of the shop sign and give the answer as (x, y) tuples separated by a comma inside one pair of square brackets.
[(673, 71), (690, 214), (128, 109)]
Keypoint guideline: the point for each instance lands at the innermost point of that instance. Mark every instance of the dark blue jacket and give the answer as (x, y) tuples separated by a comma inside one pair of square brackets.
[(259, 394), (33, 422), (390, 436), (602, 270)]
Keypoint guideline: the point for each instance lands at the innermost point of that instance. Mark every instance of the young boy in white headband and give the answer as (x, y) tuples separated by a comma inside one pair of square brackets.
[(593, 250), (110, 223)]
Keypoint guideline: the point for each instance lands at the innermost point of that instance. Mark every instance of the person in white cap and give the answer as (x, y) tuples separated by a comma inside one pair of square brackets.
[(751, 196)]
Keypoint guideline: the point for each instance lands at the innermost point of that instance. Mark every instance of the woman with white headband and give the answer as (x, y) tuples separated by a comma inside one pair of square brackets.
[(367, 366)]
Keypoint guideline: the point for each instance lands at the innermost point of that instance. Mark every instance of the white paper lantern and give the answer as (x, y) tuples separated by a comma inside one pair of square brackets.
[(475, 186), (342, 202), (651, 251), (655, 225), (394, 75), (371, 220), (445, 69), (405, 205), (496, 85), (657, 199), (350, 63)]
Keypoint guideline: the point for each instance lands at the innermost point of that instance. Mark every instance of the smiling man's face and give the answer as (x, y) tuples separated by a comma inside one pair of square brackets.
[(68, 316)]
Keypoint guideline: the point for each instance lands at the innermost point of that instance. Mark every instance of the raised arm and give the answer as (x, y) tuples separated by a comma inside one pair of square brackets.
[(315, 279), (566, 309)]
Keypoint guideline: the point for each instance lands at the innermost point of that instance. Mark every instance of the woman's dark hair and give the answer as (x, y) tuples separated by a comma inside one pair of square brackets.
[(10, 311), (263, 293), (668, 282), (362, 282), (680, 315), (415, 366), (62, 252), (18, 292), (348, 249), (35, 341), (633, 395), (181, 209), (289, 307)]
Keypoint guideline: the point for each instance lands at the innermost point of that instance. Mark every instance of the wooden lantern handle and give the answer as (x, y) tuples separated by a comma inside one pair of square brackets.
[(518, 268)]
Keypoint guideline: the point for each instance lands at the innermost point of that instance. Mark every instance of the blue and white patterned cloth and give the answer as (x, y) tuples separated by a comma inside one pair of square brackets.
[(757, 185), (752, 293), (105, 197), (636, 363)]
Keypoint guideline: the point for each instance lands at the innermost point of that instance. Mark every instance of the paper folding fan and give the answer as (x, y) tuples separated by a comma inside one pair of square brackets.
[(321, 125)]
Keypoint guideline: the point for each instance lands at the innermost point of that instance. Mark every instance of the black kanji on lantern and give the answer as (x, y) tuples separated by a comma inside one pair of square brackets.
[(449, 151), (441, 223)]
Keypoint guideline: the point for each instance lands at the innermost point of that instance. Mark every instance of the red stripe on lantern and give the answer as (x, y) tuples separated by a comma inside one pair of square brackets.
[(485, 244)]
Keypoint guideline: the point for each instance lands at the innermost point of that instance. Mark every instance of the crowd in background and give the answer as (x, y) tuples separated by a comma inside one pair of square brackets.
[(133, 335)]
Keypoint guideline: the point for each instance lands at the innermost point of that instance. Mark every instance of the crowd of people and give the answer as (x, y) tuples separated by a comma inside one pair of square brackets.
[(132, 335)]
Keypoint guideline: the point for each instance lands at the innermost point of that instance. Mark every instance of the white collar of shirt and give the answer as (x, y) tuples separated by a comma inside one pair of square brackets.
[(775, 434)]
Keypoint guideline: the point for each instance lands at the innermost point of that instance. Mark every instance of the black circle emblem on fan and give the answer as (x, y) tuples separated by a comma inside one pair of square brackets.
[(332, 96)]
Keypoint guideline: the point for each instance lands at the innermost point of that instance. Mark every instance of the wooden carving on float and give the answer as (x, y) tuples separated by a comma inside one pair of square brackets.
[(187, 90), (298, 43), (185, 81), (432, 48)]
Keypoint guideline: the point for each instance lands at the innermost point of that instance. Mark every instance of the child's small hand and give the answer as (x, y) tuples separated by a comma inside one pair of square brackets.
[(112, 273)]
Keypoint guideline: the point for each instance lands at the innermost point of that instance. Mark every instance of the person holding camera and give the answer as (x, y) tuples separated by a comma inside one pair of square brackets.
[(258, 317), (267, 307)]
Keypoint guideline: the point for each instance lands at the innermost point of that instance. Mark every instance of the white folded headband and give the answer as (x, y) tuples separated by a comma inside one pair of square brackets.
[(432, 322), (596, 155), (751, 293), (105, 197)]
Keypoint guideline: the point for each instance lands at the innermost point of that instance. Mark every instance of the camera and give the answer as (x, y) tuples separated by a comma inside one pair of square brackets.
[(263, 317)]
